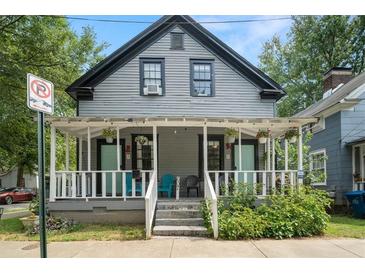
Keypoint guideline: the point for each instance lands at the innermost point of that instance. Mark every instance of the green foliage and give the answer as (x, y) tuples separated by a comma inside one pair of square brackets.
[(309, 176), (45, 46), (34, 205), (298, 213), (291, 133), (314, 45), (244, 224), (262, 133), (109, 132), (231, 132)]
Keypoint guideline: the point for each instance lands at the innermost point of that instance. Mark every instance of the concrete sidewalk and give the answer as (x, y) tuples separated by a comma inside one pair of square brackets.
[(191, 247)]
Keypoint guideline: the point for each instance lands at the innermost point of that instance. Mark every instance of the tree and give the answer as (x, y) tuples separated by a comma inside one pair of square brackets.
[(314, 45), (45, 46), (310, 176)]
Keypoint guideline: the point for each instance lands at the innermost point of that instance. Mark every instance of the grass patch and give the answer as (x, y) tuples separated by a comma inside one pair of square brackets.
[(13, 229), (345, 226)]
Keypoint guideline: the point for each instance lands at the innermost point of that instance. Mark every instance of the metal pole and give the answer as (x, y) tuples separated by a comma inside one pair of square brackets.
[(42, 210)]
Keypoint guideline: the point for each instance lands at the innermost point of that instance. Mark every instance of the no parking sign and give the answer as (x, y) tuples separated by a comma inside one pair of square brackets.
[(40, 94)]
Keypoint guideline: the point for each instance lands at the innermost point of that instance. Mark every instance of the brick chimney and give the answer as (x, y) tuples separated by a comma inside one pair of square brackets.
[(336, 76)]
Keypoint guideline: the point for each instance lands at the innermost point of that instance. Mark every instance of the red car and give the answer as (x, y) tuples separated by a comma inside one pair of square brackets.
[(16, 194)]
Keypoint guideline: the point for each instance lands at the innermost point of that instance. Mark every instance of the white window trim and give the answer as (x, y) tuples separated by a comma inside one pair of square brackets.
[(315, 152)]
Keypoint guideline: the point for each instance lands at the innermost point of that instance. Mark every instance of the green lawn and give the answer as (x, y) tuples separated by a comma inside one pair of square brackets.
[(12, 229), (344, 226)]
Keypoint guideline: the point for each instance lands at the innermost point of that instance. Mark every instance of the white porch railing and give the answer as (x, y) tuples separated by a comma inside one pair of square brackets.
[(112, 184), (150, 203), (262, 182), (211, 197)]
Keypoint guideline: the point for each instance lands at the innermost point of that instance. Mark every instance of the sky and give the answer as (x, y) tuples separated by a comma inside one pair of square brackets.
[(245, 38)]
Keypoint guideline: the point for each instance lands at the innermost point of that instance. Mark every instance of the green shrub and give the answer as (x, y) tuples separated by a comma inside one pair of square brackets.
[(244, 224), (297, 214), (34, 205)]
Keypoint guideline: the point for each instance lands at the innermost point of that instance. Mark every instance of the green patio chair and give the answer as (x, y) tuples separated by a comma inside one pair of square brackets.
[(167, 184), (128, 179)]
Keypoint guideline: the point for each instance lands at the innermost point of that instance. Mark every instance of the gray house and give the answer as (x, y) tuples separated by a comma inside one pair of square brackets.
[(338, 144), (151, 132)]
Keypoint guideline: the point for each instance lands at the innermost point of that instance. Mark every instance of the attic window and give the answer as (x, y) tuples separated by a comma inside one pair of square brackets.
[(177, 40)]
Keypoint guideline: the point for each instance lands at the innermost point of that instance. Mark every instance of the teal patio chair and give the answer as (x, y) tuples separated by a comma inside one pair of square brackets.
[(128, 178), (167, 184)]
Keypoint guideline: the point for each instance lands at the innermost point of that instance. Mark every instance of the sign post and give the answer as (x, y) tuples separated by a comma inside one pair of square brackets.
[(40, 98)]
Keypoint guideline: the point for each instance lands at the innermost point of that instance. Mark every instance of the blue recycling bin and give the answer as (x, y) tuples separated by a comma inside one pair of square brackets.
[(357, 201)]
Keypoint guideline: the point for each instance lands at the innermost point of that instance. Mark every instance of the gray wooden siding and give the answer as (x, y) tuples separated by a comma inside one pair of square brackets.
[(352, 128), (329, 139), (178, 153), (341, 128), (119, 94)]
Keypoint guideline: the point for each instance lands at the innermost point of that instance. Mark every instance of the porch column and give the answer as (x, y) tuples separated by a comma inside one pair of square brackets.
[(155, 167), (268, 153), (80, 154), (205, 156), (300, 154), (52, 185), (67, 164), (239, 150), (273, 174), (118, 148), (88, 149), (286, 154), (362, 167)]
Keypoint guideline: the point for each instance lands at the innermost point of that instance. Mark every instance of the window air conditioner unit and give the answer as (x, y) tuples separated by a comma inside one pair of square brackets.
[(152, 90)]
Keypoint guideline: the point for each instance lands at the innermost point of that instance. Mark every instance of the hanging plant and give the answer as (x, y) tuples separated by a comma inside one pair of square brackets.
[(292, 135), (232, 134), (109, 134), (141, 139), (262, 135)]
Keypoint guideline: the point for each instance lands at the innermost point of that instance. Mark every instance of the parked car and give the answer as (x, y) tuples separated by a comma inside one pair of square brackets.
[(16, 194)]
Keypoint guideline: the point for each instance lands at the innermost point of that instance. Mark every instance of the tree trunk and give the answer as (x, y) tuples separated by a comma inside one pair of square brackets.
[(19, 177)]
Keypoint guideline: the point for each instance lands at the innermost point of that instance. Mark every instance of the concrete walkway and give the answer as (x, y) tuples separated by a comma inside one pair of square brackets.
[(192, 247)]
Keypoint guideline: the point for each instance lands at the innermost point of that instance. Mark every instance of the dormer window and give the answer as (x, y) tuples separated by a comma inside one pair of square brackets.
[(152, 74), (177, 40)]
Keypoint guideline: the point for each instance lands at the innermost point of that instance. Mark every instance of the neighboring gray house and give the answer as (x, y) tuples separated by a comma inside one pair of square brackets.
[(340, 132), (9, 179), (176, 88)]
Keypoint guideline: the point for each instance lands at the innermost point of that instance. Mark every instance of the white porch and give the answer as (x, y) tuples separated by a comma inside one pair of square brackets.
[(83, 183)]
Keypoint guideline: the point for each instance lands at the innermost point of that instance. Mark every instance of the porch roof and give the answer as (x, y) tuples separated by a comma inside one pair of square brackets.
[(78, 126)]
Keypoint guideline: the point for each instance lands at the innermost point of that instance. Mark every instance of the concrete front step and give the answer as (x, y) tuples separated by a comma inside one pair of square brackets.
[(175, 214), (180, 222), (178, 205), (180, 231)]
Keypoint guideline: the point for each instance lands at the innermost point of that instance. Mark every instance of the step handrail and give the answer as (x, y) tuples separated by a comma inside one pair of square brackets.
[(211, 197), (150, 203)]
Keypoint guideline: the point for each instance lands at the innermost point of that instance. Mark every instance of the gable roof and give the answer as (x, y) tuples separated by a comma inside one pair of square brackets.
[(82, 88), (348, 93)]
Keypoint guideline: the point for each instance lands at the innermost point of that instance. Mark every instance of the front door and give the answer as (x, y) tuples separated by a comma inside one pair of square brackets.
[(107, 160), (248, 158)]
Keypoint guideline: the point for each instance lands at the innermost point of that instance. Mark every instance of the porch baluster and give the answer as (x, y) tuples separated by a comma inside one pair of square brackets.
[(114, 185), (103, 184), (143, 183), (93, 181), (83, 185), (73, 185)]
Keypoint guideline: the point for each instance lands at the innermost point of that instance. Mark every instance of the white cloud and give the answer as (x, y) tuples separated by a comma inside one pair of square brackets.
[(246, 38)]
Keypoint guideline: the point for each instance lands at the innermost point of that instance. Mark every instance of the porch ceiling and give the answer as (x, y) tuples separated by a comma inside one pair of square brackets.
[(77, 126)]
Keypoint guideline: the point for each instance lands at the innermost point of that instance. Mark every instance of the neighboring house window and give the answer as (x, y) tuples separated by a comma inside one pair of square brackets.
[(177, 40), (152, 74), (201, 78), (317, 167)]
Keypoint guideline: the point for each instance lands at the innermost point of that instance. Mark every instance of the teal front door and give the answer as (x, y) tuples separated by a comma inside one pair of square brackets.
[(107, 160), (248, 159)]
